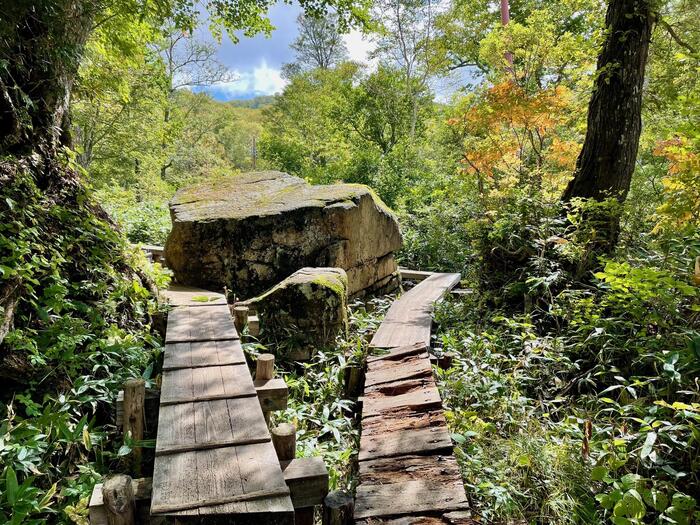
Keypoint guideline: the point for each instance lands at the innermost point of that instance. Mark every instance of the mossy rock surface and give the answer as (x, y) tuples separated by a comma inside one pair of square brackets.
[(307, 310), (251, 231)]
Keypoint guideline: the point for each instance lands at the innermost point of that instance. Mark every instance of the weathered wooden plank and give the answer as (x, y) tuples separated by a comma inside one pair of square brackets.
[(237, 380), (409, 468), (205, 384), (200, 384), (409, 319), (414, 275), (176, 426), (408, 497), (174, 482), (403, 419), (216, 484), (176, 384), (381, 354), (457, 517), (205, 323), (400, 386), (430, 440), (260, 469), (421, 400), (272, 394), (202, 354), (218, 476), (181, 295), (212, 422), (246, 418), (389, 370), (307, 479)]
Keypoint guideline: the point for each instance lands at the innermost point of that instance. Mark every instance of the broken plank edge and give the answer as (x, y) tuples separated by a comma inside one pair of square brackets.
[(250, 496), (209, 445)]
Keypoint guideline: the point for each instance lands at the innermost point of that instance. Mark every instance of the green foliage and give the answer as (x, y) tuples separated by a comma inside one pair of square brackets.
[(582, 411), (81, 329), (342, 125), (323, 419)]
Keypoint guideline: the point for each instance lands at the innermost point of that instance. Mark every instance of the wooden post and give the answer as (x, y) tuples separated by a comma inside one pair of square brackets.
[(240, 317), (134, 416), (353, 381), (445, 360), (265, 367), (284, 439), (119, 502), (264, 371), (338, 508), (304, 516), (254, 325)]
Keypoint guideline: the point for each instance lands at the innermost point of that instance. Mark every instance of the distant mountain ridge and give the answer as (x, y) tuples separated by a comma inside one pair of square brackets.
[(253, 103)]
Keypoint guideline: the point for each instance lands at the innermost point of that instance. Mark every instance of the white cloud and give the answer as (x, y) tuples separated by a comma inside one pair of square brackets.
[(261, 80), (359, 47)]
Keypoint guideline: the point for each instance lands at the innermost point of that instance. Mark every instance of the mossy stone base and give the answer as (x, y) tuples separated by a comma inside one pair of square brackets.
[(306, 311)]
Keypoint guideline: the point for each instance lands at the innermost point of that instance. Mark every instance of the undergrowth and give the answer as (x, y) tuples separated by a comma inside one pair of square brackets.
[(81, 308), (323, 418), (580, 404)]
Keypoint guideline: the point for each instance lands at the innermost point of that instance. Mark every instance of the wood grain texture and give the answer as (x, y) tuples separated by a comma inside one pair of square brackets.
[(388, 370), (381, 354), (214, 457), (203, 323), (409, 319), (409, 468), (199, 384), (203, 354), (408, 497), (421, 400), (429, 440)]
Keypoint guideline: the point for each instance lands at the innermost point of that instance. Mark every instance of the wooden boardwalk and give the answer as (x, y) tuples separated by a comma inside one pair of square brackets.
[(407, 471), (214, 457)]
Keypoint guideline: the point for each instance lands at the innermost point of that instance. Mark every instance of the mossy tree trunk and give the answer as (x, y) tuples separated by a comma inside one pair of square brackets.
[(40, 48), (60, 254), (605, 165)]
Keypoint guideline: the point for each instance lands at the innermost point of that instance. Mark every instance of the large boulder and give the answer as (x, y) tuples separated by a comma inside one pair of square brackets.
[(306, 311), (249, 232)]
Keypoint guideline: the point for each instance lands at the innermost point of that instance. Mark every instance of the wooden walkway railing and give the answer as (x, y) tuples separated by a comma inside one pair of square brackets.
[(406, 464), (214, 455)]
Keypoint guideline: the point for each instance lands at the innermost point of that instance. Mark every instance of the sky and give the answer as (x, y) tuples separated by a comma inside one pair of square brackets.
[(256, 62)]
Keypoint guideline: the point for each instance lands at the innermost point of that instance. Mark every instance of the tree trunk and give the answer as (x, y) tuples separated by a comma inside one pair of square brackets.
[(42, 43), (605, 165)]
